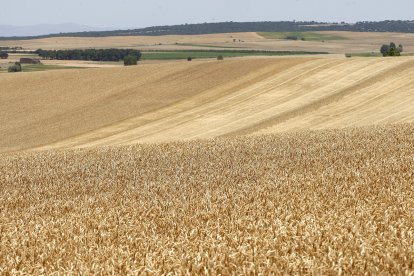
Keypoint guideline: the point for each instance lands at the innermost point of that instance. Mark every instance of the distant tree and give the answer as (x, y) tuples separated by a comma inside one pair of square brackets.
[(17, 67), (189, 59), (393, 51), (220, 58), (4, 55), (130, 60), (400, 48), (385, 49)]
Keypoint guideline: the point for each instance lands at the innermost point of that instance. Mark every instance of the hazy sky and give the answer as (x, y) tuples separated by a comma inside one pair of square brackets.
[(136, 13)]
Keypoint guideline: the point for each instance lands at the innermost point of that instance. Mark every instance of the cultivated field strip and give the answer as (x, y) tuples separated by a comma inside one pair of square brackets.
[(371, 89), (46, 107), (324, 202), (373, 105)]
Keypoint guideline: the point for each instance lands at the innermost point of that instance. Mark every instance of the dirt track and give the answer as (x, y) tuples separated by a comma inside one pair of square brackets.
[(204, 99)]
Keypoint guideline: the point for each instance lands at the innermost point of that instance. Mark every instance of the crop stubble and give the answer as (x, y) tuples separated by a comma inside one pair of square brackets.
[(207, 99)]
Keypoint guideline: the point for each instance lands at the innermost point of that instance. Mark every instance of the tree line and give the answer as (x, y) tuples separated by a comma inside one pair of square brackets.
[(89, 54), (234, 27)]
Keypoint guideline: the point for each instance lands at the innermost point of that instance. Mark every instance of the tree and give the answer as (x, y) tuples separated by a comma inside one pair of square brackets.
[(4, 55), (189, 59), (130, 60), (17, 67), (400, 48), (391, 50), (220, 58), (385, 49)]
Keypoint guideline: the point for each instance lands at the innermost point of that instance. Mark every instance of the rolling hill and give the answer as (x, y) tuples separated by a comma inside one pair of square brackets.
[(203, 99)]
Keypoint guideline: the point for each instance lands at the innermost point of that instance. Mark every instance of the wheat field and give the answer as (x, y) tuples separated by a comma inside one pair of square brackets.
[(242, 166), (311, 202)]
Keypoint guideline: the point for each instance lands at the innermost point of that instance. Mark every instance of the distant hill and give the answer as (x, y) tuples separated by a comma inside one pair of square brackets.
[(232, 27), (43, 29)]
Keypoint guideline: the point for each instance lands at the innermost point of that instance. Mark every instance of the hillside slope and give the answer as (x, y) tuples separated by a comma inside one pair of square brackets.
[(204, 99)]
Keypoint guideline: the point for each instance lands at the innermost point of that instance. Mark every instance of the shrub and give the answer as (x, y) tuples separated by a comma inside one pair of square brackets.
[(130, 60), (4, 55), (220, 58), (189, 59), (292, 37), (17, 67)]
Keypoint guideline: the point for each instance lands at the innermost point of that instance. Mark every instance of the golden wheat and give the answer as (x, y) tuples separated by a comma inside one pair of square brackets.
[(329, 202)]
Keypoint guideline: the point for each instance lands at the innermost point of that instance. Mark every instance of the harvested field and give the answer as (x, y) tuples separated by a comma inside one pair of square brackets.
[(326, 202), (201, 99), (176, 101), (143, 42), (42, 108), (349, 42)]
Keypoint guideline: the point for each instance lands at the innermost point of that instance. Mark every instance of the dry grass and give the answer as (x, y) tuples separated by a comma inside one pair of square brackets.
[(329, 202)]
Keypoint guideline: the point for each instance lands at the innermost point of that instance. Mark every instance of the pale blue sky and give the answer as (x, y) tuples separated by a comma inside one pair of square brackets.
[(130, 13)]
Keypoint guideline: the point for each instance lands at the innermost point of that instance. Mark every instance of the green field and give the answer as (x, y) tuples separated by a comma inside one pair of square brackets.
[(367, 54), (43, 67), (375, 54), (183, 54), (308, 36)]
